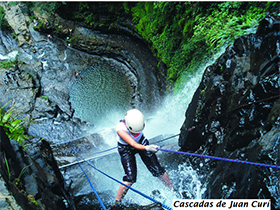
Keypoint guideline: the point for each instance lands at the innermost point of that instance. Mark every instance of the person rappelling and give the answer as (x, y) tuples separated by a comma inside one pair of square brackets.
[(131, 141)]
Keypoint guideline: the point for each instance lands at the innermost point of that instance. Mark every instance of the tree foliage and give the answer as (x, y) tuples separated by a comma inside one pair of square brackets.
[(184, 34)]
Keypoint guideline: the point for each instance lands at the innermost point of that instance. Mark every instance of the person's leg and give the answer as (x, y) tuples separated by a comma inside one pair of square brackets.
[(128, 161), (122, 191), (166, 181), (151, 161)]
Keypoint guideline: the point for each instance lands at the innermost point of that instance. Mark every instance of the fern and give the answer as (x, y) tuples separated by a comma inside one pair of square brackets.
[(13, 127)]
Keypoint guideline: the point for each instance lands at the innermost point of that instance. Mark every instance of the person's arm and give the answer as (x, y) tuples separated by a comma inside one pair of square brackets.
[(127, 138)]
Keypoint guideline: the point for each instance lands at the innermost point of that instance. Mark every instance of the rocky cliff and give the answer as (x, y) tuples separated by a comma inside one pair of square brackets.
[(236, 114), (32, 176)]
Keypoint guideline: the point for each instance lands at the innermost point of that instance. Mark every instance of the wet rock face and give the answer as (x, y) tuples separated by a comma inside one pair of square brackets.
[(235, 112), (33, 176), (18, 19)]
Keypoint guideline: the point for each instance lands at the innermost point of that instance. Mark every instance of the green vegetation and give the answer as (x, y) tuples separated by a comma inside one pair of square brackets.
[(8, 168), (99, 14), (8, 64), (32, 199), (14, 127), (45, 97), (3, 21), (17, 180), (44, 7), (184, 34)]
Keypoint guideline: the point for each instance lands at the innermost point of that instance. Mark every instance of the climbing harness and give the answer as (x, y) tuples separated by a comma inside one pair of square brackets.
[(223, 159), (146, 196)]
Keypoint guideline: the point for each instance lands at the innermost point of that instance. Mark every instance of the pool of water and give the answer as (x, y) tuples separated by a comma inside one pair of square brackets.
[(101, 93)]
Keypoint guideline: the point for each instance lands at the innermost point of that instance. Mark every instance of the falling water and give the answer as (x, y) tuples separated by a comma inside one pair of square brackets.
[(166, 121)]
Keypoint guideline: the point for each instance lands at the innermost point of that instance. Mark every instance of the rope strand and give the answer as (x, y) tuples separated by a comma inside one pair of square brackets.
[(219, 158), (146, 196), (96, 194)]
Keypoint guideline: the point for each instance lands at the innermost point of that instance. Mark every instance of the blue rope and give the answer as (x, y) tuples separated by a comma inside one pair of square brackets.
[(166, 150), (223, 159), (146, 196), (96, 194)]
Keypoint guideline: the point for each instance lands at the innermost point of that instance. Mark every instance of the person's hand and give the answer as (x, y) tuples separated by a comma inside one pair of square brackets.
[(151, 148)]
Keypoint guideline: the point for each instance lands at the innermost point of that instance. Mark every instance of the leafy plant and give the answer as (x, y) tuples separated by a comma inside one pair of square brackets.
[(45, 97), (13, 126), (3, 21), (227, 22), (8, 168), (181, 34), (44, 7), (14, 36), (10, 63), (6, 64), (17, 180), (32, 199)]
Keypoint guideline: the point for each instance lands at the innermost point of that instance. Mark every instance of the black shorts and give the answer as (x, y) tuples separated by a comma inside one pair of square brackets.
[(128, 160)]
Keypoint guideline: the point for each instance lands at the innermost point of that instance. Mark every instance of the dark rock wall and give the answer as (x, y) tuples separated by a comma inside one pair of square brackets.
[(236, 114), (32, 176), (146, 75)]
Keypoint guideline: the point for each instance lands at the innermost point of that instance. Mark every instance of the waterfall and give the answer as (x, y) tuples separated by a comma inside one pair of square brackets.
[(53, 66), (165, 121)]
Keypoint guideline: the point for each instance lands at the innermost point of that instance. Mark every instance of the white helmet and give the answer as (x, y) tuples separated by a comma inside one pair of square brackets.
[(134, 120)]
